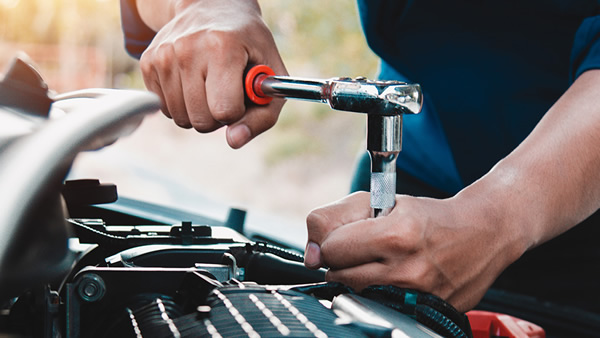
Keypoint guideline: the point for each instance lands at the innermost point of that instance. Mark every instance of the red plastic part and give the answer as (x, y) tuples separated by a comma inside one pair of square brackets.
[(253, 81), (491, 324)]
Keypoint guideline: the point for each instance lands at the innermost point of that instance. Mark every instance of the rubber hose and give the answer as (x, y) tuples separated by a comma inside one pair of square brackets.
[(447, 310), (438, 322), (275, 250)]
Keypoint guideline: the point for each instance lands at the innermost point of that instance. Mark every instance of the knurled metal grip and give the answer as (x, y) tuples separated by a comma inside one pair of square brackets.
[(383, 190), (384, 143)]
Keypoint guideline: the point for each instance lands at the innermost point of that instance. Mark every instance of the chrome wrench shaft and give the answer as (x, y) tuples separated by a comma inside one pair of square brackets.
[(354, 95)]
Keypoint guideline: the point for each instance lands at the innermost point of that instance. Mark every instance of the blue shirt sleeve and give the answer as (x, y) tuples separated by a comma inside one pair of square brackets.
[(137, 35), (585, 54)]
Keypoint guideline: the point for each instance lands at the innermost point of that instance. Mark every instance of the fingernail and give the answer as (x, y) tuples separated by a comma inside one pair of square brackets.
[(312, 255), (238, 135)]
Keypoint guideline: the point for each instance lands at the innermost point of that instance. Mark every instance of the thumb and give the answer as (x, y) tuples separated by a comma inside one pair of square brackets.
[(322, 221), (312, 256)]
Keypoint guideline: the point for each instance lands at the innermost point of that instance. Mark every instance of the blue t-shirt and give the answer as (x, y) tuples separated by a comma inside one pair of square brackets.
[(489, 71)]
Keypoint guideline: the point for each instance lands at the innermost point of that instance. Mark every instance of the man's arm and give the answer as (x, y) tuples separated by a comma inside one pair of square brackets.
[(456, 248), (156, 14), (196, 62)]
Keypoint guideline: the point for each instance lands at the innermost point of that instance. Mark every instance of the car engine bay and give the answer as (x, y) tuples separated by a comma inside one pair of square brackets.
[(78, 260)]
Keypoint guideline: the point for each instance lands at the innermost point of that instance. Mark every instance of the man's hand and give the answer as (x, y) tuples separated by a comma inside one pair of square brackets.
[(197, 59), (424, 244), (455, 248)]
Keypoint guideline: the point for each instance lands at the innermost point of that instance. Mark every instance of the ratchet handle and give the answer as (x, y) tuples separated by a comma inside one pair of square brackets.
[(253, 78)]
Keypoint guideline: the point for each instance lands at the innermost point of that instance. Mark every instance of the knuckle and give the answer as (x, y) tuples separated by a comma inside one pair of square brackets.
[(318, 227), (163, 56), (145, 64), (203, 123), (316, 219), (155, 56), (220, 41), (185, 52), (227, 112)]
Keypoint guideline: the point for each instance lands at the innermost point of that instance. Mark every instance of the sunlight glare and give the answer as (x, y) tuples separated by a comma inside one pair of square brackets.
[(8, 4)]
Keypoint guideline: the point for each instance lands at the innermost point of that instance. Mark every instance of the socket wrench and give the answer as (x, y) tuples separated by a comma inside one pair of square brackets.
[(384, 102)]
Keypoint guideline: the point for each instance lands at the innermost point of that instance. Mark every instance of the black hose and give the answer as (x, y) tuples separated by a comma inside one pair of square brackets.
[(446, 309), (438, 322), (268, 268), (89, 234), (275, 250), (426, 308)]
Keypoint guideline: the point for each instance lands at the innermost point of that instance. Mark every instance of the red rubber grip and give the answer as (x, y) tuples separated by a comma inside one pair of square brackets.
[(252, 84)]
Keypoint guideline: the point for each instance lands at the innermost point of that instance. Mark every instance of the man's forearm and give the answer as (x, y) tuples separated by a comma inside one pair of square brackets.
[(552, 180), (156, 13)]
